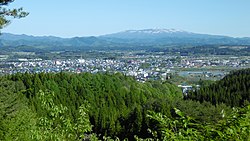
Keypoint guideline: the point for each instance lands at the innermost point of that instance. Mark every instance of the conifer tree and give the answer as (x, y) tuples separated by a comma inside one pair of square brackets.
[(6, 14)]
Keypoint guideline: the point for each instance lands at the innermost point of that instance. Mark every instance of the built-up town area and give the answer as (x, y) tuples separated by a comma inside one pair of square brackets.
[(142, 67)]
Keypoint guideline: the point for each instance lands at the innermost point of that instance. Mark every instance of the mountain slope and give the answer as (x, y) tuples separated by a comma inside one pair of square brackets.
[(121, 40), (171, 36), (150, 33)]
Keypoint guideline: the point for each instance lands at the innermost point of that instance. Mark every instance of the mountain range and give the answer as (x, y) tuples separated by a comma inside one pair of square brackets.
[(129, 38)]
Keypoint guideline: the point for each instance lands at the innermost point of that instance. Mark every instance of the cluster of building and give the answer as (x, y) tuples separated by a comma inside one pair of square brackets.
[(125, 66), (142, 67), (188, 62)]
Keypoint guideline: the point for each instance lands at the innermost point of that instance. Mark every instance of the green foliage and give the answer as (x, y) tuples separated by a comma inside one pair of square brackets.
[(16, 118), (233, 90), (6, 13), (202, 112), (20, 126), (234, 127), (205, 83), (56, 125), (118, 103), (176, 129), (66, 106)]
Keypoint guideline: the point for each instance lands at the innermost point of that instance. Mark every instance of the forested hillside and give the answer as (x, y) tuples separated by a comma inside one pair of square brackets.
[(67, 106), (233, 90), (118, 104)]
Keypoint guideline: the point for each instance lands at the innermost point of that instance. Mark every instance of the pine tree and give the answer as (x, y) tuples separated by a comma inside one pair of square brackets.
[(6, 13)]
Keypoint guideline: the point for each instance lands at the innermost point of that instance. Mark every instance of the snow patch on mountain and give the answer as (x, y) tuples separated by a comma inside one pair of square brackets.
[(155, 31)]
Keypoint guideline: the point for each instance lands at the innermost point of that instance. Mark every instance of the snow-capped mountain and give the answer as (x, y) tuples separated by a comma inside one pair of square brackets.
[(155, 31), (152, 34), (170, 36)]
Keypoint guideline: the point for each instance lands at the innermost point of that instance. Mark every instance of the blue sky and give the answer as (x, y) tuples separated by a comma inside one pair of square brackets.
[(67, 18)]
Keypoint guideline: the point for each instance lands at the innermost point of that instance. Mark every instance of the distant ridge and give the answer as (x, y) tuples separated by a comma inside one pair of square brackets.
[(131, 38), (13, 37)]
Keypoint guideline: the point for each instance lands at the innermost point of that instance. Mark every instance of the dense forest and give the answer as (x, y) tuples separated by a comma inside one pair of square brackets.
[(67, 106), (233, 90)]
